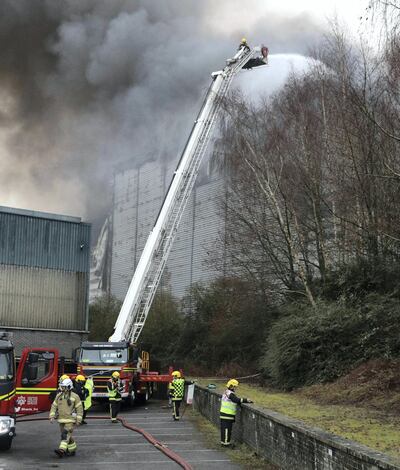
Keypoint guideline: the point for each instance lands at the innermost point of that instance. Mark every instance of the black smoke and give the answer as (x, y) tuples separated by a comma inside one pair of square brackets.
[(85, 84)]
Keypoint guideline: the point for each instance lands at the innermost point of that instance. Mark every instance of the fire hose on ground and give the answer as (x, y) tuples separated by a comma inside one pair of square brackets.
[(157, 444)]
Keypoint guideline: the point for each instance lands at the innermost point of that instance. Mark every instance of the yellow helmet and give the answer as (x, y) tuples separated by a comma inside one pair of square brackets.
[(80, 378), (115, 374), (232, 383), (176, 374), (243, 41), (63, 377)]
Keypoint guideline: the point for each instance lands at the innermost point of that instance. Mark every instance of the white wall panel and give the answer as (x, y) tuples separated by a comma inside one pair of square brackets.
[(138, 195)]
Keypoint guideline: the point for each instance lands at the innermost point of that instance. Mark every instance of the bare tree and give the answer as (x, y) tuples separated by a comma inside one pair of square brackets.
[(313, 173)]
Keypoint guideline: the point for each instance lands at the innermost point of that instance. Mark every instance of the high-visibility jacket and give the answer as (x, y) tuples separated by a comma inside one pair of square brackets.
[(229, 404), (114, 390), (67, 408), (81, 391), (89, 385), (177, 389)]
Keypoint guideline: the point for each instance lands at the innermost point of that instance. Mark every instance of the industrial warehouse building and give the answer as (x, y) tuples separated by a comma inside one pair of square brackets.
[(138, 195), (44, 279)]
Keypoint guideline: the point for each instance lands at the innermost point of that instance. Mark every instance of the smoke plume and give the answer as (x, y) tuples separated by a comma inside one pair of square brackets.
[(85, 84)]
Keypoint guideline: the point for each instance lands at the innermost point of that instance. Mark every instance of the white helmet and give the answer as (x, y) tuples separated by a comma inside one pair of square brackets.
[(67, 383)]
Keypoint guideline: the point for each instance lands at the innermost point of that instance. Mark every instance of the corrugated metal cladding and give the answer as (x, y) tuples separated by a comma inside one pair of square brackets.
[(42, 298), (27, 239), (138, 194), (44, 270)]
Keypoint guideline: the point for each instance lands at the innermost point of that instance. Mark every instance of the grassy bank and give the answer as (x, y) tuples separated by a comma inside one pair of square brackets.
[(374, 427)]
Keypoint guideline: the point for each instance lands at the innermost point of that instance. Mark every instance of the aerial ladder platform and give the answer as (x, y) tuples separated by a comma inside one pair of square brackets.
[(146, 279)]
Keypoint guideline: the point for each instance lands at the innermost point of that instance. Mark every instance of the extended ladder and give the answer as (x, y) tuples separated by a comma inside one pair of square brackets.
[(142, 289)]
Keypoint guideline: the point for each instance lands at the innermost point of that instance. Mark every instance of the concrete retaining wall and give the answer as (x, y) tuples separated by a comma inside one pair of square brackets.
[(289, 443)]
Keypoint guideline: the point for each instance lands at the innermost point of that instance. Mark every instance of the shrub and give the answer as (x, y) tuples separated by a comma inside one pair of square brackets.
[(103, 313), (321, 344), (161, 331), (226, 324), (360, 278)]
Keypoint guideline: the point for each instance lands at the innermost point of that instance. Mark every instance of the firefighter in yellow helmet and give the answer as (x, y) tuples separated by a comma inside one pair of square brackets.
[(115, 389), (67, 408), (243, 44), (176, 391), (227, 413), (84, 389)]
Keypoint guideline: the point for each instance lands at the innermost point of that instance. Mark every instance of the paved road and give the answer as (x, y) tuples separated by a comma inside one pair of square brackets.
[(102, 445)]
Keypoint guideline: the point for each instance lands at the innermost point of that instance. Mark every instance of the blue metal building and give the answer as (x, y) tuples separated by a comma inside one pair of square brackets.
[(44, 278)]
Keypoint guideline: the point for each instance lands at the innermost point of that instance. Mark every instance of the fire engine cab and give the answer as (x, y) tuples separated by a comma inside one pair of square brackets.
[(7, 392)]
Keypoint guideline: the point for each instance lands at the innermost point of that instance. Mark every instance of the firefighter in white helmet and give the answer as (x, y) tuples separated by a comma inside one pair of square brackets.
[(67, 409), (63, 377), (227, 414)]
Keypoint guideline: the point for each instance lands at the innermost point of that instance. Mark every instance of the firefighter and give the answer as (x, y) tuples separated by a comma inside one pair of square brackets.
[(264, 53), (63, 377), (176, 390), (89, 384), (243, 44), (115, 388), (227, 414), (84, 388), (170, 395), (67, 409)]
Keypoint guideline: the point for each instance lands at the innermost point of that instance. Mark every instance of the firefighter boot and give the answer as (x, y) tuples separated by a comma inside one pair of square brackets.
[(60, 453)]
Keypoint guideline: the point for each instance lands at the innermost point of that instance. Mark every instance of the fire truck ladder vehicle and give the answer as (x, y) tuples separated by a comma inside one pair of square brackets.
[(142, 289), (31, 387)]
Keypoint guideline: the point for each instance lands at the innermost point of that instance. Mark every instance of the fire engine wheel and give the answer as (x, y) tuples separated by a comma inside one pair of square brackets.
[(5, 443), (143, 397), (130, 401)]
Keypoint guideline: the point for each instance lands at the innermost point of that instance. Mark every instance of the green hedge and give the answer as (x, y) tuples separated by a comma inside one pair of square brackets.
[(307, 345)]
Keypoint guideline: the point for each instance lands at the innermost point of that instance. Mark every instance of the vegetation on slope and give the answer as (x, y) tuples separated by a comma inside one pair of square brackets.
[(373, 427)]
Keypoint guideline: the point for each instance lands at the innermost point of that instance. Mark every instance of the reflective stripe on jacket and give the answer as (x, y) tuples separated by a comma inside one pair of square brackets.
[(228, 407), (89, 385), (67, 407), (114, 390)]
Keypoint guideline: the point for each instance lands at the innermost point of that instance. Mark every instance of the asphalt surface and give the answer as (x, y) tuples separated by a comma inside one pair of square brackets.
[(103, 445)]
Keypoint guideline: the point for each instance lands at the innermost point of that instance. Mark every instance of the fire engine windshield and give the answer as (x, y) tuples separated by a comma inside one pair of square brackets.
[(104, 356), (6, 366)]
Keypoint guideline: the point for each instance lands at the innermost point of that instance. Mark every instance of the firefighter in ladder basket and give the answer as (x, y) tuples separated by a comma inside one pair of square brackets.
[(243, 45)]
